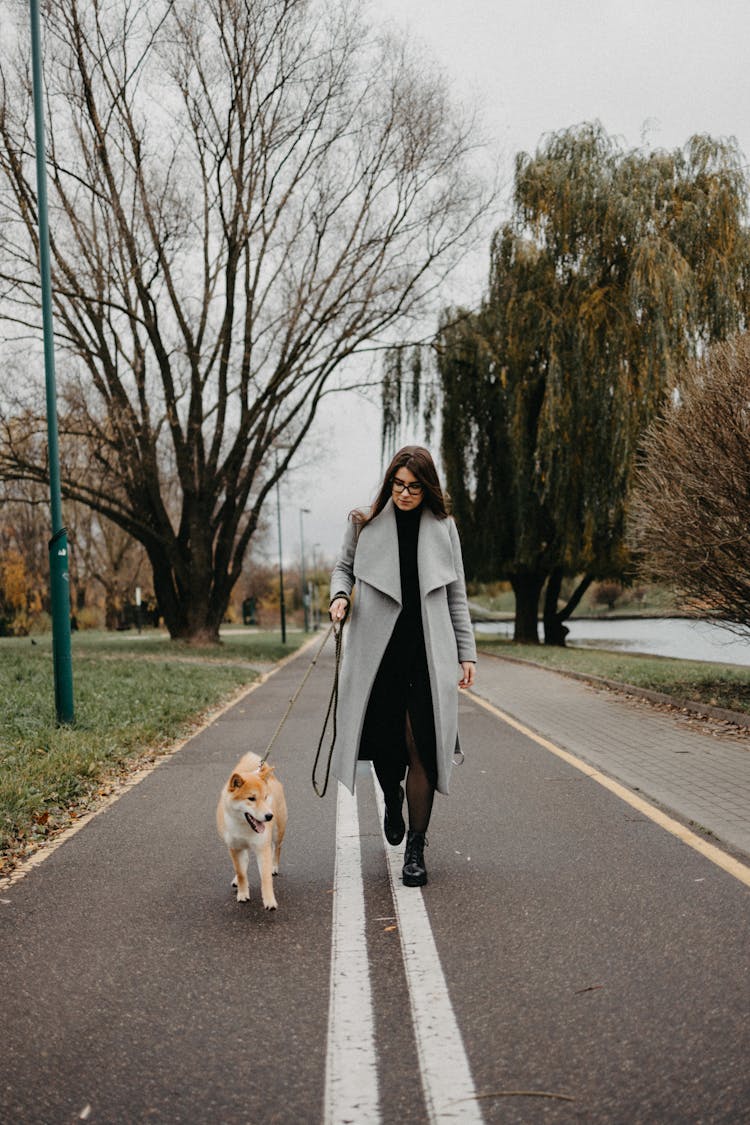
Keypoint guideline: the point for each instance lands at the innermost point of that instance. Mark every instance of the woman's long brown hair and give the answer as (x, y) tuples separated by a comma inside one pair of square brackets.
[(418, 461)]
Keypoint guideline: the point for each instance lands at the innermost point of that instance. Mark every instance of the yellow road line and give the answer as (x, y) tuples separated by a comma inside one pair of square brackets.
[(726, 862)]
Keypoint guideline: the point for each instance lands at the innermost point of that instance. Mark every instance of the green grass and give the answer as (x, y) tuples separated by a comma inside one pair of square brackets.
[(127, 708), (257, 647), (720, 685)]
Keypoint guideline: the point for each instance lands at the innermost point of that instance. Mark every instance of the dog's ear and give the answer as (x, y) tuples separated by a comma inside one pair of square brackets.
[(265, 771), (236, 782)]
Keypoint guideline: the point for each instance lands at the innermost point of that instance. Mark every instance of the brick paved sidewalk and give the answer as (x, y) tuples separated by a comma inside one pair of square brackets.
[(702, 777)]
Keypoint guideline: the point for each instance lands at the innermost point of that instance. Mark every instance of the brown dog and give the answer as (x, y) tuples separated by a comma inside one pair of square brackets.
[(251, 816)]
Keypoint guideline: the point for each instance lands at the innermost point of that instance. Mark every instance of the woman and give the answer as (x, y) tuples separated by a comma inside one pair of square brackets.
[(409, 631)]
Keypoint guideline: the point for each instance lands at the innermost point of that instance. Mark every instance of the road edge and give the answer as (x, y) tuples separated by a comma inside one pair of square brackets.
[(140, 773)]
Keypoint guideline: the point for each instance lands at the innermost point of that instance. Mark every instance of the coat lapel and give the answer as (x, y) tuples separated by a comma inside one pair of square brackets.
[(376, 557), (434, 553)]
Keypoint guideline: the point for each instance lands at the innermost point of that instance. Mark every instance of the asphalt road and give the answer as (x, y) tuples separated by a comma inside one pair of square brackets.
[(597, 969)]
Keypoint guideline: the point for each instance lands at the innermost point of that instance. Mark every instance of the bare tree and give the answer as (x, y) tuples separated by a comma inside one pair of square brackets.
[(245, 194), (104, 559), (690, 512)]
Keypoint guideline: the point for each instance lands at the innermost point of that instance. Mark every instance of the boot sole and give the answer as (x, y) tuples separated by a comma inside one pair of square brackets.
[(414, 880)]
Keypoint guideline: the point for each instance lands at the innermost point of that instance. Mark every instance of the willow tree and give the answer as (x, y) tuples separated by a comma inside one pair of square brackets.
[(244, 194), (615, 268)]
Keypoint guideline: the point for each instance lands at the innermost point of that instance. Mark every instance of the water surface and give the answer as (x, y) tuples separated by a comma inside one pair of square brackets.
[(666, 636)]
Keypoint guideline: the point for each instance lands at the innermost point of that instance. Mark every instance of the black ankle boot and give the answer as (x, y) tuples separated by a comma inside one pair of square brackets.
[(415, 872), (393, 824)]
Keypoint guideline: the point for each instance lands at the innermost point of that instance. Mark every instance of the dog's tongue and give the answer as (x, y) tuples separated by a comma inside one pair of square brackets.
[(256, 825)]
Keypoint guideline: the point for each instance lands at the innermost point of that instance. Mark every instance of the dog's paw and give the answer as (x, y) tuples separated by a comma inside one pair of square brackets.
[(271, 904), (234, 881), (275, 869), (243, 896)]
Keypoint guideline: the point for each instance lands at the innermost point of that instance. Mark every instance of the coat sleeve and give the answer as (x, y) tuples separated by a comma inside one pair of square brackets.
[(458, 605), (342, 577)]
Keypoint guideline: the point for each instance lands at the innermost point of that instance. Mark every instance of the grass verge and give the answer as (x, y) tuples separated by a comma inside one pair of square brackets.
[(718, 685), (253, 646), (128, 709)]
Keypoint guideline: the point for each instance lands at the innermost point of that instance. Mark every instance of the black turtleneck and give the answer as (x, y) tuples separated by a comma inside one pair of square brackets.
[(407, 524)]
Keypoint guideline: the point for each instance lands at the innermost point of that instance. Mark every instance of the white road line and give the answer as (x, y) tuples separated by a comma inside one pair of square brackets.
[(446, 1078), (351, 1093)]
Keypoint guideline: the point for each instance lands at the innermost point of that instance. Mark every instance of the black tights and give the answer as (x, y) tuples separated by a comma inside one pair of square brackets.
[(420, 787), (420, 790)]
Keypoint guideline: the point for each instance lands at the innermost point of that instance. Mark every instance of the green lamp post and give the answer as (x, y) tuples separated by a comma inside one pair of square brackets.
[(58, 545)]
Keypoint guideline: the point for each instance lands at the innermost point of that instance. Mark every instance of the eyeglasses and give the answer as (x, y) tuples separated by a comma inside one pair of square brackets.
[(414, 489)]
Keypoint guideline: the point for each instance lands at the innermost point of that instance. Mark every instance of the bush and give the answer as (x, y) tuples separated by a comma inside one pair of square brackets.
[(90, 617), (606, 593), (41, 624), (691, 505)]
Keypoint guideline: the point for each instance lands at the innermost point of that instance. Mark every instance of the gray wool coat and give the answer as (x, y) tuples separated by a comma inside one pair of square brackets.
[(369, 560)]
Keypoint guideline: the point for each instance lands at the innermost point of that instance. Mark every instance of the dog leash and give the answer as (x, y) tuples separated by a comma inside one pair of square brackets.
[(332, 702), (337, 632)]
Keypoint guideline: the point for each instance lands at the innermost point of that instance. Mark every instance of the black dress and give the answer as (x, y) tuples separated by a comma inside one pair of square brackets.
[(402, 683)]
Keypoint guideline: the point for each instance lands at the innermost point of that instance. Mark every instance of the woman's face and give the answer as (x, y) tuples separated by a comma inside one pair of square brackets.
[(406, 498)]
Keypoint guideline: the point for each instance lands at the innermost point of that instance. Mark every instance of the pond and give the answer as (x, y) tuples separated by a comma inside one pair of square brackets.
[(665, 636)]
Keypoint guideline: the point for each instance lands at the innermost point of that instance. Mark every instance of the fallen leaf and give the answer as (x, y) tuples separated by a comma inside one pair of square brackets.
[(524, 1094)]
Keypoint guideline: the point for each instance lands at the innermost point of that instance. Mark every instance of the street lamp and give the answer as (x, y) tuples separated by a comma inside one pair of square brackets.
[(305, 599), (315, 605), (282, 607), (58, 545)]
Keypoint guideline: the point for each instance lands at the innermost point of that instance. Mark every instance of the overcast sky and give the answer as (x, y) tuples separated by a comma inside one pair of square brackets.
[(652, 71)]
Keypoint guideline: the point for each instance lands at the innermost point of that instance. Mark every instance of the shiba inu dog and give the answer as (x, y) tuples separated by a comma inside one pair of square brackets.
[(251, 816)]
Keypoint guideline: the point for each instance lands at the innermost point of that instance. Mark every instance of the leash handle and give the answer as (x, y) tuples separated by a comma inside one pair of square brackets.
[(332, 706)]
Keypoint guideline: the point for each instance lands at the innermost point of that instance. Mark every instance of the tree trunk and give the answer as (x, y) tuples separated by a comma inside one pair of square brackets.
[(527, 588), (555, 630), (196, 622), (111, 611), (194, 614)]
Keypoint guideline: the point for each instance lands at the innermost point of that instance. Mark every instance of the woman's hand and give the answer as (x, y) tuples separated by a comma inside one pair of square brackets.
[(469, 668), (338, 609)]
